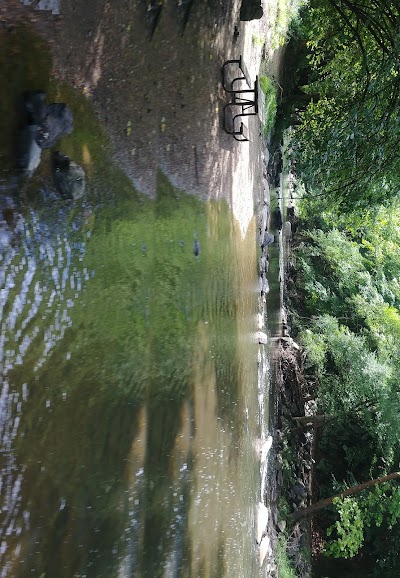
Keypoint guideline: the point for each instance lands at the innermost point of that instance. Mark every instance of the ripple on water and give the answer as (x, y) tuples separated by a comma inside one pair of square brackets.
[(40, 280)]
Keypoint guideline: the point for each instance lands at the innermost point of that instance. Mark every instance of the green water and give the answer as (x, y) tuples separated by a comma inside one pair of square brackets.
[(128, 403)]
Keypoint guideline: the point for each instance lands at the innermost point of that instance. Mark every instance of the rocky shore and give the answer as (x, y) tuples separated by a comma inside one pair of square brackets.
[(291, 458)]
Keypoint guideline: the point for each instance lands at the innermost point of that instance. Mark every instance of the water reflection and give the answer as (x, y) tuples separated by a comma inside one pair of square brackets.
[(128, 406)]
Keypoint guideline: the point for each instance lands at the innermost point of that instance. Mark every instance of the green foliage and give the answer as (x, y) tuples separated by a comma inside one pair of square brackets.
[(348, 261), (351, 128), (269, 91), (258, 40), (286, 14), (285, 568), (348, 530), (315, 346), (358, 515)]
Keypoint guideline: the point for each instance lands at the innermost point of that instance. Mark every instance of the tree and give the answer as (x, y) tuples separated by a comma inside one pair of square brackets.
[(347, 143), (313, 508)]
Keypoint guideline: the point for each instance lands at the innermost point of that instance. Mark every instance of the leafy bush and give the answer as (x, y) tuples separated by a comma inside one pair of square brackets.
[(348, 530)]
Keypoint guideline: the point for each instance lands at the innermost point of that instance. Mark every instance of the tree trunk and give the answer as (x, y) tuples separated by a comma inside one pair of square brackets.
[(310, 510), (313, 420)]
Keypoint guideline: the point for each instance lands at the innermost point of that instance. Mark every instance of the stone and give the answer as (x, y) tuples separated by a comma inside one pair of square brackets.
[(265, 549), (264, 285), (261, 337), (288, 231), (262, 521), (28, 151), (69, 177), (58, 121), (263, 447), (5, 236), (196, 248), (282, 525), (267, 240), (35, 106), (299, 490), (277, 218)]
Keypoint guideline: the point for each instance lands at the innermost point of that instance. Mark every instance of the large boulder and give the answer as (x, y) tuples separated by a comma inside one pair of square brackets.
[(57, 122), (69, 177), (251, 10)]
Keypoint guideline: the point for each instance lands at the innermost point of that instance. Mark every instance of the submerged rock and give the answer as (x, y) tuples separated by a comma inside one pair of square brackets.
[(69, 177), (5, 236), (267, 240), (58, 121), (35, 107), (28, 151)]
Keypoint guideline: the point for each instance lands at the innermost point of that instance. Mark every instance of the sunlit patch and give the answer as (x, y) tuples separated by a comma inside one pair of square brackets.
[(86, 157)]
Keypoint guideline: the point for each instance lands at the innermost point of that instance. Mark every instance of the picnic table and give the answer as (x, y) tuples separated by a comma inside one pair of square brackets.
[(247, 99)]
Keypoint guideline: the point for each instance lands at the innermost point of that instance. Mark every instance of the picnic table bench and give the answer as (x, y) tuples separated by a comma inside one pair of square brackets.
[(243, 76), (245, 100)]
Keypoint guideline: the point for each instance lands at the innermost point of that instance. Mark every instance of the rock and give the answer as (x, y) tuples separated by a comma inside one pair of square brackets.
[(267, 240), (264, 265), (251, 10), (299, 490), (262, 521), (282, 525), (265, 549), (28, 151), (262, 447), (290, 212), (5, 236), (51, 5), (57, 122), (196, 248), (69, 177), (264, 285), (35, 107), (289, 342), (288, 230), (277, 218), (261, 337)]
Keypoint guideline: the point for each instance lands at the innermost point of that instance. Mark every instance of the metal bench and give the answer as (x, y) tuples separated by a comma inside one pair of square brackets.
[(229, 85), (232, 126), (245, 100)]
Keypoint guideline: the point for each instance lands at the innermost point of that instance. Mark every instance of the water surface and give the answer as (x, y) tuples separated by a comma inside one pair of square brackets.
[(128, 401)]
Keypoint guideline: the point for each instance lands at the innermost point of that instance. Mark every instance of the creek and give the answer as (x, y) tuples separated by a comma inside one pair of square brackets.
[(132, 397)]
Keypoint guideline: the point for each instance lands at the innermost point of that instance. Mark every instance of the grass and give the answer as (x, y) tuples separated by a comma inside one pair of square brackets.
[(269, 91), (285, 569), (258, 40)]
